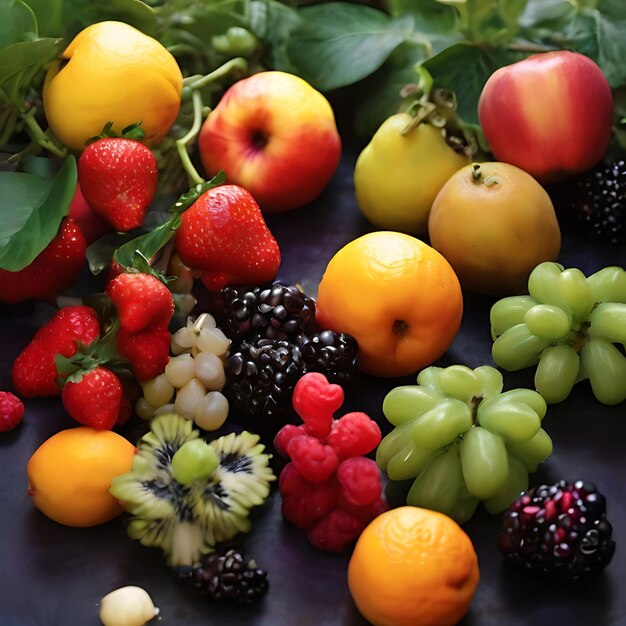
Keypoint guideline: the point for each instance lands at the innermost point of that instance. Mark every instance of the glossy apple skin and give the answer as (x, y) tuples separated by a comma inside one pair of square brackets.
[(274, 135), (549, 114)]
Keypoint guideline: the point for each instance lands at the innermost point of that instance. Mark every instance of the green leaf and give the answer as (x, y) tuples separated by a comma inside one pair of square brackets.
[(549, 14), (20, 61), (32, 212), (130, 254), (603, 39), (17, 22), (379, 95), (65, 18), (464, 69), (273, 22), (339, 44)]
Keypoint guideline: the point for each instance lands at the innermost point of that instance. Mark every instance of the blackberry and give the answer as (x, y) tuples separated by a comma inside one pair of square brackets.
[(560, 528), (333, 354), (598, 200), (227, 576), (260, 378), (276, 312)]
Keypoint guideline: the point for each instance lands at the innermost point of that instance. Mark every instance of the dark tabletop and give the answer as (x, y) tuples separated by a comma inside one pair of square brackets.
[(53, 575)]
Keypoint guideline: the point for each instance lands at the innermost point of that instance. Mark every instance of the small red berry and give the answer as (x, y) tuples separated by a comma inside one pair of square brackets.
[(335, 531), (11, 411), (315, 400), (285, 435), (354, 434), (314, 460), (360, 481)]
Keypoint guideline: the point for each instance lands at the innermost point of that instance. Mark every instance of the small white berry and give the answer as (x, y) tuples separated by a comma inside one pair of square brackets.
[(127, 606)]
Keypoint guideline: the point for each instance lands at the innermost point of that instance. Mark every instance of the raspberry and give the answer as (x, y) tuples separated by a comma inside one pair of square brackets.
[(305, 502), (365, 513), (354, 434), (360, 481), (335, 531), (314, 460), (315, 401), (285, 435), (11, 411)]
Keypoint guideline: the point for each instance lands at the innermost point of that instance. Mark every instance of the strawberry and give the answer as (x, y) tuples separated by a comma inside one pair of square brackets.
[(94, 399), (54, 270), (148, 351), (224, 234), (34, 371), (141, 300), (118, 178), (89, 222)]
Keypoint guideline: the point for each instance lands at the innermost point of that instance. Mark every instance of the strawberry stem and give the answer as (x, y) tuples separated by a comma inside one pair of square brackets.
[(39, 136)]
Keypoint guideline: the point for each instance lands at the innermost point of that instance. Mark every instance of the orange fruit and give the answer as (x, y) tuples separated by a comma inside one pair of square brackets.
[(398, 297), (413, 567), (69, 475)]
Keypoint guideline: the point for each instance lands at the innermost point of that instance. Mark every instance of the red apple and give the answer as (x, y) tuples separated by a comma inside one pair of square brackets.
[(550, 114), (274, 135), (90, 223)]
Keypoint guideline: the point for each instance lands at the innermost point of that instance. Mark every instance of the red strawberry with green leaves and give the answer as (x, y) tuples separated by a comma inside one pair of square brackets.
[(93, 398), (141, 300), (148, 351), (53, 271), (224, 234), (118, 178), (34, 370)]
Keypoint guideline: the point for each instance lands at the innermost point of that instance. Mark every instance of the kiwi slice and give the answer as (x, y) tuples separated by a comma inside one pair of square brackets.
[(186, 521)]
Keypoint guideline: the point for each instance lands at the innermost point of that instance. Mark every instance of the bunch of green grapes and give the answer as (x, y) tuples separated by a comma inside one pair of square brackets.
[(567, 326), (463, 440)]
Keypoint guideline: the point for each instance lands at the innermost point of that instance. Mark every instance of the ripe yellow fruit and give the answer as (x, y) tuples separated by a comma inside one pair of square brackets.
[(397, 296), (400, 172), (112, 72), (69, 475), (413, 567)]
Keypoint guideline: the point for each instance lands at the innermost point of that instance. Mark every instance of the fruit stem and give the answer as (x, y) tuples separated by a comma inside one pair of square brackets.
[(38, 135), (198, 82), (181, 144), (474, 403), (477, 177)]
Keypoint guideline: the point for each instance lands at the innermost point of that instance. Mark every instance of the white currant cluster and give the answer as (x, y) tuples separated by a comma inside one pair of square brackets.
[(192, 382)]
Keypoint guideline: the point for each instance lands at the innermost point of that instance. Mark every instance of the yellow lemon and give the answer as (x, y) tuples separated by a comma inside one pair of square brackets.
[(112, 72)]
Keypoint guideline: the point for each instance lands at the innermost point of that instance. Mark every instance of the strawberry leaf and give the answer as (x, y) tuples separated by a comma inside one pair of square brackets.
[(33, 210)]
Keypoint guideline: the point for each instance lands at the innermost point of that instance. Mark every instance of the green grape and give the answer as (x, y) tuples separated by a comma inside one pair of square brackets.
[(557, 372), (408, 462), (608, 321), (533, 451), (408, 402), (527, 396), (442, 424), (194, 460), (606, 366), (609, 285), (543, 283), (392, 443), (464, 507), (490, 380), (484, 462), (513, 421), (438, 484), (576, 292), (548, 320), (518, 348), (429, 377), (459, 382), (509, 312), (516, 482)]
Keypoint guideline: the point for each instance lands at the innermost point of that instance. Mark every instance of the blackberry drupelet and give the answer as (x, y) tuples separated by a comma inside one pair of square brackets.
[(227, 576), (333, 354), (560, 528), (598, 199), (276, 312), (260, 378)]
